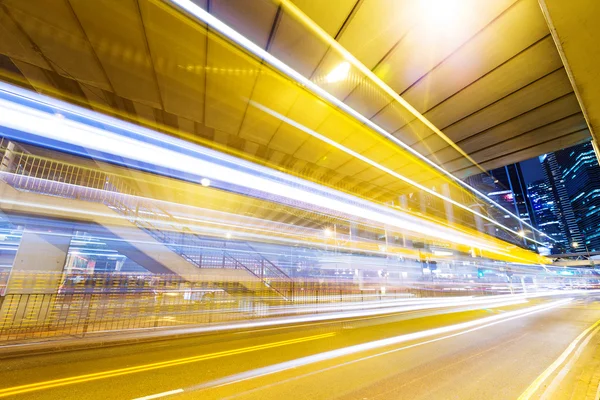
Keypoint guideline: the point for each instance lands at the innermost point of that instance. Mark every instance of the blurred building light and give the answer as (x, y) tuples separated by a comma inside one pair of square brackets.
[(521, 233), (327, 232), (575, 245), (205, 182), (442, 253), (339, 73), (228, 235)]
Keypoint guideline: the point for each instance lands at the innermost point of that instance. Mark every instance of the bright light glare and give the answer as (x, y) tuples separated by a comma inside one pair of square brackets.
[(443, 16), (327, 232), (575, 245), (442, 253), (521, 233), (205, 182), (339, 73)]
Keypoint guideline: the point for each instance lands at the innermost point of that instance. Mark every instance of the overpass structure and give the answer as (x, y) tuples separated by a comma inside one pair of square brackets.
[(371, 99)]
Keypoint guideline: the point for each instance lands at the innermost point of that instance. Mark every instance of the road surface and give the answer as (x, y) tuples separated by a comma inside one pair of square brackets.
[(482, 354)]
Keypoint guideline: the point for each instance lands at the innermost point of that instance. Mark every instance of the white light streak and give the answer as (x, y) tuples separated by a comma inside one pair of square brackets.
[(232, 34)]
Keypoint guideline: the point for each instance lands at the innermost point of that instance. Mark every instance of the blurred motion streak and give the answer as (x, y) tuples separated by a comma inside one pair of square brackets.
[(142, 368)]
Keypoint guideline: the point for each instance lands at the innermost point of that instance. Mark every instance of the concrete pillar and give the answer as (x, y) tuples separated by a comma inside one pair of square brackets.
[(478, 220), (423, 202), (447, 205), (353, 231), (39, 253), (403, 201), (35, 278), (6, 164)]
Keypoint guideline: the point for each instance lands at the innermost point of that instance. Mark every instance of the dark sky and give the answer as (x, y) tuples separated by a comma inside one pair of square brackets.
[(532, 170)]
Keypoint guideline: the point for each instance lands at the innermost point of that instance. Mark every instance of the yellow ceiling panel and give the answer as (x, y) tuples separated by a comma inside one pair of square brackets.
[(553, 111), (534, 63), (312, 150), (287, 139), (374, 29), (548, 88), (433, 39), (333, 160), (122, 50), (179, 55), (17, 45), (309, 111), (380, 153), (519, 27), (330, 15), (294, 46), (227, 95)]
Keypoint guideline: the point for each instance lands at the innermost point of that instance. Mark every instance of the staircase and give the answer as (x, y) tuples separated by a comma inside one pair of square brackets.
[(27, 172)]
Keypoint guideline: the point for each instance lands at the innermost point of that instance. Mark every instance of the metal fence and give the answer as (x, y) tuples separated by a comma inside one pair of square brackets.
[(28, 172), (45, 305)]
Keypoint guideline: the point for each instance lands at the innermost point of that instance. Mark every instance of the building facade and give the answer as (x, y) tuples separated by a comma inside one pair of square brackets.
[(546, 217), (580, 175)]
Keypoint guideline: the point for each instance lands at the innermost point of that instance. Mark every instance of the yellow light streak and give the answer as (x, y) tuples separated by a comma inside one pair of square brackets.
[(12, 391), (309, 23)]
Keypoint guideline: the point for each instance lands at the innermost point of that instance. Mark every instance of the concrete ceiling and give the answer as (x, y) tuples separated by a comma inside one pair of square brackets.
[(493, 81), (496, 87), (576, 32)]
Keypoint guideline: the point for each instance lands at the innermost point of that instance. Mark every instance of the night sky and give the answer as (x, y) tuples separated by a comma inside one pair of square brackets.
[(532, 170)]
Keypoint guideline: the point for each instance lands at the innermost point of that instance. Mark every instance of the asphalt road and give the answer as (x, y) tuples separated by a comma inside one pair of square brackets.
[(495, 359)]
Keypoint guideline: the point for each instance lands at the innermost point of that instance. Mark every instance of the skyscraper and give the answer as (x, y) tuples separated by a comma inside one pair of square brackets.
[(506, 187), (546, 216), (580, 174), (563, 208), (511, 179)]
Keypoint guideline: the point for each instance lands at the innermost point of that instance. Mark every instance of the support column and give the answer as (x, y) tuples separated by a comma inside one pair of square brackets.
[(478, 220), (35, 278), (447, 205)]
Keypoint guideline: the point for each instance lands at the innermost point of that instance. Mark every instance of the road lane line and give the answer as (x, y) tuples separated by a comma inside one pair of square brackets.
[(156, 396), (535, 385), (460, 329), (560, 376), (148, 367)]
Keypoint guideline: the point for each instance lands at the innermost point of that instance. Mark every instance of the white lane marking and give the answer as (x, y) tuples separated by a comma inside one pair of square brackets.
[(565, 370), (535, 385), (156, 396), (468, 327)]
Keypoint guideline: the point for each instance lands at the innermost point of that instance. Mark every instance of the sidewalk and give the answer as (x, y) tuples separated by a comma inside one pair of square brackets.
[(578, 376), (582, 382)]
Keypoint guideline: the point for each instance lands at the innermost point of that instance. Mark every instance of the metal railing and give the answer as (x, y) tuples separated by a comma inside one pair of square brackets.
[(28, 172), (54, 305)]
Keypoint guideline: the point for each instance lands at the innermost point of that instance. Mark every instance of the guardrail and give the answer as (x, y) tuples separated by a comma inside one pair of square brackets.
[(28, 172), (46, 305)]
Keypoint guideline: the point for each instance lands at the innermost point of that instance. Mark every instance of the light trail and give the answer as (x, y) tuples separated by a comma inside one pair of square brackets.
[(16, 390), (388, 171), (453, 330), (204, 16), (32, 118)]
